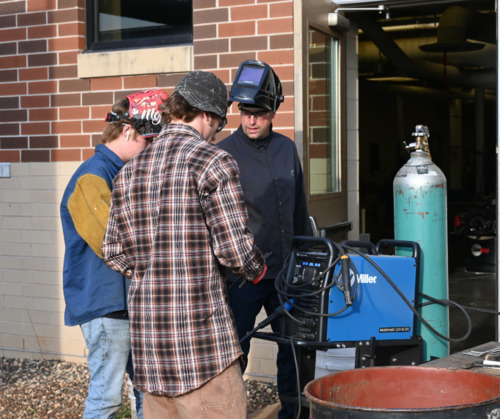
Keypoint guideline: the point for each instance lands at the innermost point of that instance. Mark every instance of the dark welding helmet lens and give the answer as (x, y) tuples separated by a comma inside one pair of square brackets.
[(256, 84)]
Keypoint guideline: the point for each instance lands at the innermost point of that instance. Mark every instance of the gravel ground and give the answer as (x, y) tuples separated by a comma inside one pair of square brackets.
[(56, 389)]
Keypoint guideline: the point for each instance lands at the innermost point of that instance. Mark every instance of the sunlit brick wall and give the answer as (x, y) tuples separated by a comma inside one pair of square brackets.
[(228, 32), (41, 100)]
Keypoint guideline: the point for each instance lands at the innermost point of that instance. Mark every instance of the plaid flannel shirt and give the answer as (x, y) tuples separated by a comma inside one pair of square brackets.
[(177, 219)]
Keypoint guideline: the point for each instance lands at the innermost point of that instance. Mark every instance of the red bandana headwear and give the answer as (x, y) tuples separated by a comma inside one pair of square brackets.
[(143, 111)]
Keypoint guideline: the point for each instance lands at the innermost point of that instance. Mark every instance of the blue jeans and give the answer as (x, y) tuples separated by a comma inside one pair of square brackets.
[(109, 356), (246, 303)]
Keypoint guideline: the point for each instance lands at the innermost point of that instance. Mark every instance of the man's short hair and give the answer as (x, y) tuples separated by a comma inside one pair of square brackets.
[(114, 129), (177, 107)]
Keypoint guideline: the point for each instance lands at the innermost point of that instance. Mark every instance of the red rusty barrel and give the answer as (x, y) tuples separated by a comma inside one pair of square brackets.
[(405, 392)]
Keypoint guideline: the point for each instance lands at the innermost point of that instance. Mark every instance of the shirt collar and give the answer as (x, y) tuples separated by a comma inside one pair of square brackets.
[(171, 129), (258, 144), (101, 148)]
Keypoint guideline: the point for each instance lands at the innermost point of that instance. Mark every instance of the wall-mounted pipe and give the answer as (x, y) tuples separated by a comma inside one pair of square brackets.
[(410, 27), (422, 70)]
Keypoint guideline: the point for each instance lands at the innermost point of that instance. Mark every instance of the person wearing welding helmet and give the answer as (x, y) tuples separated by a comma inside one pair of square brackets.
[(95, 295), (273, 189), (177, 223)]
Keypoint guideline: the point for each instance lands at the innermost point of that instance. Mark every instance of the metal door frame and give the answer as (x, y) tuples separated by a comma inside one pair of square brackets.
[(313, 14)]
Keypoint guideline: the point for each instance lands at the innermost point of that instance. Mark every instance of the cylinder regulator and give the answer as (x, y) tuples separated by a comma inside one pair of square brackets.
[(420, 215)]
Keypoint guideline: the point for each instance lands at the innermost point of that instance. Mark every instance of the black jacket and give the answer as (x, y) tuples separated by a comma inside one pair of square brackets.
[(273, 189)]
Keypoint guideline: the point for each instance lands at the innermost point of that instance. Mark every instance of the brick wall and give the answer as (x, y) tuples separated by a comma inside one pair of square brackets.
[(39, 91), (227, 32), (48, 116)]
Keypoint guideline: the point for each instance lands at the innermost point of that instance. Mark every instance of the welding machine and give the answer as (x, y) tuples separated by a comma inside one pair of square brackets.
[(321, 311)]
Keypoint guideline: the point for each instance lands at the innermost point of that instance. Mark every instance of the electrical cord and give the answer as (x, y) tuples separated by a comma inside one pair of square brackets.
[(299, 393), (278, 313), (445, 303), (315, 278), (281, 293), (300, 322)]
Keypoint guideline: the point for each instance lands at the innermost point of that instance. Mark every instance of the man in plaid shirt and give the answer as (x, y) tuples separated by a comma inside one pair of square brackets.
[(177, 221)]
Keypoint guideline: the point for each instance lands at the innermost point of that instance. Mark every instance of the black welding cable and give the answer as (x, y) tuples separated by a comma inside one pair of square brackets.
[(325, 287), (281, 293), (315, 278), (280, 281), (276, 281), (298, 297), (299, 395), (445, 303), (277, 314), (311, 294), (311, 313), (419, 316), (276, 286), (300, 322), (337, 282)]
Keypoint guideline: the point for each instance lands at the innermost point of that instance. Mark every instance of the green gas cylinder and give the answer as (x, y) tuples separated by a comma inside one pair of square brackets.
[(420, 215)]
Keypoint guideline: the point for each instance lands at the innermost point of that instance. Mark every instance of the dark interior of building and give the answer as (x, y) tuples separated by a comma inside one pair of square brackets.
[(435, 66)]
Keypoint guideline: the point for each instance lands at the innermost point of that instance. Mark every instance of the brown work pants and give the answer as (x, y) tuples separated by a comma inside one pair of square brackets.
[(223, 397)]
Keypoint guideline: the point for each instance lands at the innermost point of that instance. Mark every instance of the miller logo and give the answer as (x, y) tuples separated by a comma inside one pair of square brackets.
[(362, 279), (366, 279)]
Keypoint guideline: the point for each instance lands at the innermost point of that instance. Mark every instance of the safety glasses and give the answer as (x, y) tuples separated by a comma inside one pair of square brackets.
[(222, 125), (258, 115)]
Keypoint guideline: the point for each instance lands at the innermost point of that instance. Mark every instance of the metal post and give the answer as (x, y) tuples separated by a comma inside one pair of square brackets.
[(498, 171), (455, 144), (479, 106)]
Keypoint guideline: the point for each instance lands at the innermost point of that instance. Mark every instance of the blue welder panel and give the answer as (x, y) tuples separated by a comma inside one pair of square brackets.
[(378, 310)]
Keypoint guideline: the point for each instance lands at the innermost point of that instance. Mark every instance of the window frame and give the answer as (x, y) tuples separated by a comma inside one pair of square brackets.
[(92, 46), (342, 193), (336, 134), (328, 208)]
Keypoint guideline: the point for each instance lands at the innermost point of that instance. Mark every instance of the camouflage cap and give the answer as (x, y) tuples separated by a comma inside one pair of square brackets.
[(204, 91)]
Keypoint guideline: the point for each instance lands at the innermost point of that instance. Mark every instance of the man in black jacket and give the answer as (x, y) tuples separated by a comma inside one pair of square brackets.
[(273, 189)]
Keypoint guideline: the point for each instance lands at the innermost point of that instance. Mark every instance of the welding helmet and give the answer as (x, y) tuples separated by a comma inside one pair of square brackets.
[(143, 112), (256, 84)]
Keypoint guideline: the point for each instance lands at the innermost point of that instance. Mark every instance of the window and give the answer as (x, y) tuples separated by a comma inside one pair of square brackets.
[(324, 134), (120, 24)]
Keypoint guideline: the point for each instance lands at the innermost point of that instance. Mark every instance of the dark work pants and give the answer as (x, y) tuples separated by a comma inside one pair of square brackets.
[(246, 303)]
